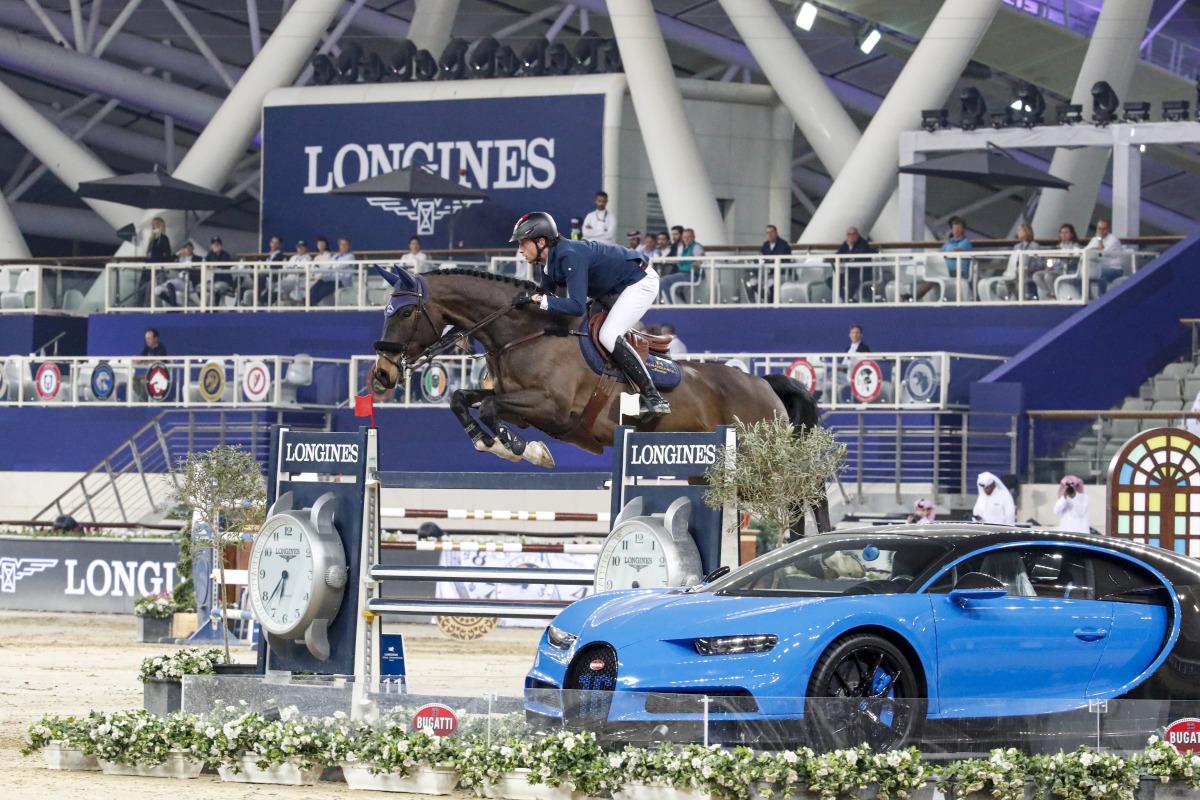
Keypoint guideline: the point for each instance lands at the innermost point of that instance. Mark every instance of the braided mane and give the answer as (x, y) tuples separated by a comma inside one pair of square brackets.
[(487, 276)]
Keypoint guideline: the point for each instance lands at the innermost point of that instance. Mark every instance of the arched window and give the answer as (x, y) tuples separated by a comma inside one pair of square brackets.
[(1154, 491)]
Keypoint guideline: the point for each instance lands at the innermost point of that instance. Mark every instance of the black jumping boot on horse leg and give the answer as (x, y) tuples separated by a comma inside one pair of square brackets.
[(653, 403)]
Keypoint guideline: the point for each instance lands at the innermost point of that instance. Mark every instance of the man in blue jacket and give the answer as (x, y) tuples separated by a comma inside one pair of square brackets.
[(593, 269)]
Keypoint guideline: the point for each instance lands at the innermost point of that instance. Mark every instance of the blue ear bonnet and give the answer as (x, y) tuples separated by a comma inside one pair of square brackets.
[(407, 289)]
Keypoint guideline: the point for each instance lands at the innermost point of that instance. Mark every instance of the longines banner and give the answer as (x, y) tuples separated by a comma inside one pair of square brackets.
[(100, 576), (525, 153)]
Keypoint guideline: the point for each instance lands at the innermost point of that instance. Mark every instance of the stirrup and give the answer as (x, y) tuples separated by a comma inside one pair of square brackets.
[(655, 408)]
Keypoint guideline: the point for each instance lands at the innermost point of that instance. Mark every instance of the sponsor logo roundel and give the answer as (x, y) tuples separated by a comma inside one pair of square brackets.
[(158, 382), (802, 370), (104, 382), (48, 380), (1184, 735), (738, 364), (866, 379), (434, 383), (435, 718), (256, 381), (212, 381), (596, 665), (921, 380)]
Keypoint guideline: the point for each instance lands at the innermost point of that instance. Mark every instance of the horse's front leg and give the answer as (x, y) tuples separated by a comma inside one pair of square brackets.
[(522, 405), (461, 401)]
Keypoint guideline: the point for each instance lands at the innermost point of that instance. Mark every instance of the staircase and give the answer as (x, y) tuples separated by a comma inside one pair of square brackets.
[(133, 483)]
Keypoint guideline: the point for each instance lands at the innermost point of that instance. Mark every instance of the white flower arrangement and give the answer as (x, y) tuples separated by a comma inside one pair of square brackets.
[(172, 667), (1001, 775), (155, 606), (1161, 760), (72, 732), (839, 772), (391, 746), (562, 758), (1086, 774), (139, 738), (897, 772)]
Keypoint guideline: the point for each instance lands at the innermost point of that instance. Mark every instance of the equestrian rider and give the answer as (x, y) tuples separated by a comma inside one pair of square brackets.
[(593, 269)]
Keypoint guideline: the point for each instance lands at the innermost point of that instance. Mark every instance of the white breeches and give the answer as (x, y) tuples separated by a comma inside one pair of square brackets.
[(629, 308)]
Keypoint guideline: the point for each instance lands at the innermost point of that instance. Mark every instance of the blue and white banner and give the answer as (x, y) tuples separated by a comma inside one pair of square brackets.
[(525, 153)]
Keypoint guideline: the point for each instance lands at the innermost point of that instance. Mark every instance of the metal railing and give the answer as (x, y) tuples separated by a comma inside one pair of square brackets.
[(43, 288), (934, 380), (132, 484), (187, 381), (1083, 443)]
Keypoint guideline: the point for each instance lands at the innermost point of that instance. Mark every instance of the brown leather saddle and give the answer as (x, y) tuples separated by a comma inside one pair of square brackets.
[(643, 343)]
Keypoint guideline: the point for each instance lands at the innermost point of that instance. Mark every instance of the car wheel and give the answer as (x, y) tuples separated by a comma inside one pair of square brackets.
[(863, 689)]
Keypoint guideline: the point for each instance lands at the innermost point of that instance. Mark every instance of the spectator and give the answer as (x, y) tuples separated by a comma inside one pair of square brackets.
[(676, 348), (685, 273), (275, 251), (171, 290), (328, 283), (154, 347), (158, 251), (1109, 265), (1044, 278), (1016, 270), (634, 241), (852, 277), (857, 345), (924, 512), (1072, 506), (223, 284), (649, 246), (662, 249), (576, 228), (676, 241), (774, 246), (289, 285), (264, 282), (600, 225), (344, 252), (956, 241), (302, 255), (322, 253), (995, 504), (414, 260)]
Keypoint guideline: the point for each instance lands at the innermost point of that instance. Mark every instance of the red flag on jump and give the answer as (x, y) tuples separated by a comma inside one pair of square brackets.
[(364, 406)]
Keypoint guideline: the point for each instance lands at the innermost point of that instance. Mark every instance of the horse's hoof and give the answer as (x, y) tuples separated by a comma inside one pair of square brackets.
[(538, 453)]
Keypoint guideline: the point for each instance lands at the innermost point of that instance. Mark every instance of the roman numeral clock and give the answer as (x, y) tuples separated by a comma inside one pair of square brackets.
[(649, 551), (298, 575)]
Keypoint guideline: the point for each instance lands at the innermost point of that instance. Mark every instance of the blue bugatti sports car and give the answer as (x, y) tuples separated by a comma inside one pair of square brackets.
[(869, 635)]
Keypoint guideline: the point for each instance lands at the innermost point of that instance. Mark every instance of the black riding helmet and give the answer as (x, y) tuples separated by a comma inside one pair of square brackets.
[(535, 225)]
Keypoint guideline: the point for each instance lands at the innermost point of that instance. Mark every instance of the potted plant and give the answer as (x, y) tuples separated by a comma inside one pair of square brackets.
[(1085, 774), (62, 741), (900, 773), (1173, 775), (666, 772), (848, 773), (390, 756), (290, 751), (140, 743), (1002, 776), (559, 766), (154, 614), (224, 487), (162, 676)]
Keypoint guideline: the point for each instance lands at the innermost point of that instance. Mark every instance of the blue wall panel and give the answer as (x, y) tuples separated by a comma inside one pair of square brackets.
[(65, 439)]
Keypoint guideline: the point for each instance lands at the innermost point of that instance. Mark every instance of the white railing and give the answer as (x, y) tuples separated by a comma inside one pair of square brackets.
[(189, 381), (921, 380), (40, 289)]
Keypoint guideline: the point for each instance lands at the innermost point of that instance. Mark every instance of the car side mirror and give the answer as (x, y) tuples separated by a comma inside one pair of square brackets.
[(976, 586)]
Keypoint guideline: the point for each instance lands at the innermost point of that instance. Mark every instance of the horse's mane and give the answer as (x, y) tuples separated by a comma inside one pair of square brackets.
[(487, 276)]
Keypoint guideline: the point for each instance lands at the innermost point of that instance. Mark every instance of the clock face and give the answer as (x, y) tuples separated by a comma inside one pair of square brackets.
[(633, 558), (281, 574)]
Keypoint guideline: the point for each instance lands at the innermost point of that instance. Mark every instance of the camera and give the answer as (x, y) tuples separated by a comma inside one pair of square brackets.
[(1070, 490)]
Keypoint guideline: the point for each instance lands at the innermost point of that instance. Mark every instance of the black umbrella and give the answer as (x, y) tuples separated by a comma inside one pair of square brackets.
[(992, 166), (411, 183), (153, 190)]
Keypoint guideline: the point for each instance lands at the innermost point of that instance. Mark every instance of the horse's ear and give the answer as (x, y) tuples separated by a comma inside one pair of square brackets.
[(387, 276)]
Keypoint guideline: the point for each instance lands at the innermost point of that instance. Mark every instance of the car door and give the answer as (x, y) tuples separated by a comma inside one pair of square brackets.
[(1033, 650)]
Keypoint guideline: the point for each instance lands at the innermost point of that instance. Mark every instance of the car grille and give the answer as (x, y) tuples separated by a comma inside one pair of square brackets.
[(734, 701), (589, 683)]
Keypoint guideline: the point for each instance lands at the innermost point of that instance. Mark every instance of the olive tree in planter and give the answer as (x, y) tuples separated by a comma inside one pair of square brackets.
[(224, 487), (776, 474)]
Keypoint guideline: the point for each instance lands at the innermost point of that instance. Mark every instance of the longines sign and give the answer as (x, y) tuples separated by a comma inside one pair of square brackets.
[(523, 153), (83, 575)]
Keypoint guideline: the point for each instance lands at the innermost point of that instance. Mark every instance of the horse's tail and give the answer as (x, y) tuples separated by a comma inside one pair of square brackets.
[(803, 413)]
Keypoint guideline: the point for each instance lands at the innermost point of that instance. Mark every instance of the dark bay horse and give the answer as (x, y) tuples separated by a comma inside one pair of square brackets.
[(540, 377)]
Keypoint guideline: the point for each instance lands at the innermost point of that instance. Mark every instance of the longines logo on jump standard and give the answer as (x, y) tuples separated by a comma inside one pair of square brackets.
[(673, 454), (321, 452)]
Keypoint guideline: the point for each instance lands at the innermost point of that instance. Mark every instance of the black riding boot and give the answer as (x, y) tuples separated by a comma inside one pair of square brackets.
[(653, 404)]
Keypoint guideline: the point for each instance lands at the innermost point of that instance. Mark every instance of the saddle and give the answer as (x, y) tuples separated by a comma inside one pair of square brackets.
[(643, 343)]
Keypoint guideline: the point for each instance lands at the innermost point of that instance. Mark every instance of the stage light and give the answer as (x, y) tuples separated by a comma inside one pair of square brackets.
[(610, 57), (935, 119), (402, 60), (453, 63), (483, 58), (533, 57), (1030, 105), (1176, 110), (1002, 119), (806, 16), (587, 53), (507, 64), (1068, 113), (1104, 104), (373, 68), (1137, 111), (973, 109), (868, 42), (347, 62), (324, 70), (558, 59), (425, 68)]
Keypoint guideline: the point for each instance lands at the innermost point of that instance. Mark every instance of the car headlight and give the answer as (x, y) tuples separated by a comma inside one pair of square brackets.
[(560, 638), (734, 645)]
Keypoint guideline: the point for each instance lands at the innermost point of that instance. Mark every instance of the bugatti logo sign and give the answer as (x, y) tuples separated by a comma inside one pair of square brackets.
[(435, 718), (596, 665), (1184, 735)]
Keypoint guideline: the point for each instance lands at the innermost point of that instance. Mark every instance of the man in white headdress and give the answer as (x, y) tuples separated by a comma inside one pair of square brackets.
[(995, 504)]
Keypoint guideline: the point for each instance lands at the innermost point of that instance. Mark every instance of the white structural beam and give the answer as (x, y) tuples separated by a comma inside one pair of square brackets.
[(33, 177), (255, 26), (861, 190), (40, 14), (12, 242), (431, 24), (115, 29), (686, 193), (198, 40), (559, 23), (1111, 56), (28, 55)]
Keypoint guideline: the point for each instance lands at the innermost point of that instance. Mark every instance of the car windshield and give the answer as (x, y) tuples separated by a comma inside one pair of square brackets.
[(835, 565)]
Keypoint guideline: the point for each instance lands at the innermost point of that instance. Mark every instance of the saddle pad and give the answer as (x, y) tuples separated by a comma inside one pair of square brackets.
[(663, 371)]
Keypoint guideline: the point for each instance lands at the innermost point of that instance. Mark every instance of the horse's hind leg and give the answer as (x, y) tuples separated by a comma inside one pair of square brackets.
[(461, 402)]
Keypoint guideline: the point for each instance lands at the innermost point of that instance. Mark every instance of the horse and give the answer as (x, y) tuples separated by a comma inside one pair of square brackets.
[(540, 377)]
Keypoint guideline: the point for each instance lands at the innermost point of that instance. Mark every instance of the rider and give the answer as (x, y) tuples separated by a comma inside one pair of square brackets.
[(593, 269)]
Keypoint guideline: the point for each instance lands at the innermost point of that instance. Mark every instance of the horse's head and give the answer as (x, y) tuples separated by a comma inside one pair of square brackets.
[(407, 328)]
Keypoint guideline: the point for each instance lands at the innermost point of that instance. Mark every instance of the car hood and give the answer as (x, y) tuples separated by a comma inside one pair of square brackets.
[(626, 617)]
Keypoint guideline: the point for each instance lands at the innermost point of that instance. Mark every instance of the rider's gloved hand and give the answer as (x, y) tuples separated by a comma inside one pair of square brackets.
[(523, 299)]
